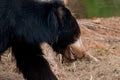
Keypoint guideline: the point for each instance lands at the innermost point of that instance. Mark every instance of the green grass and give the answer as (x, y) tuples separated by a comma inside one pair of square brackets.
[(102, 8), (102, 50)]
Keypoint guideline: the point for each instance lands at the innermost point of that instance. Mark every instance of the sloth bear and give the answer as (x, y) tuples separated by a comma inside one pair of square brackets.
[(26, 24)]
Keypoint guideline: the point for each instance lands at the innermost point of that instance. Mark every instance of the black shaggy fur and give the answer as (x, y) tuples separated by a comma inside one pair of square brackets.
[(24, 24)]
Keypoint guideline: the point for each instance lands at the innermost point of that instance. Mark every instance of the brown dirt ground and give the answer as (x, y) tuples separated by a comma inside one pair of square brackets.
[(101, 42)]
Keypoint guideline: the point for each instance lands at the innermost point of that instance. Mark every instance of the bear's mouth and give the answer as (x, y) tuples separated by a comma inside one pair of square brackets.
[(74, 51), (72, 54)]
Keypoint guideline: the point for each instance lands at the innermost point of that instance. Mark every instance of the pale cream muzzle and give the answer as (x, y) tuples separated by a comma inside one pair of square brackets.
[(74, 50)]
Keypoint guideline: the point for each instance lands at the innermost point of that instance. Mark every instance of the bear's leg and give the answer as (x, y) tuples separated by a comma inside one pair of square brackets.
[(31, 62)]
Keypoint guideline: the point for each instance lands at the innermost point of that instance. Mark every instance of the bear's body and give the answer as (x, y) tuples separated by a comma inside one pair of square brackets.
[(25, 24)]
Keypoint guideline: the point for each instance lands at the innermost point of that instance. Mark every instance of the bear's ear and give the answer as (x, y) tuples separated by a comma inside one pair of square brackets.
[(60, 12)]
